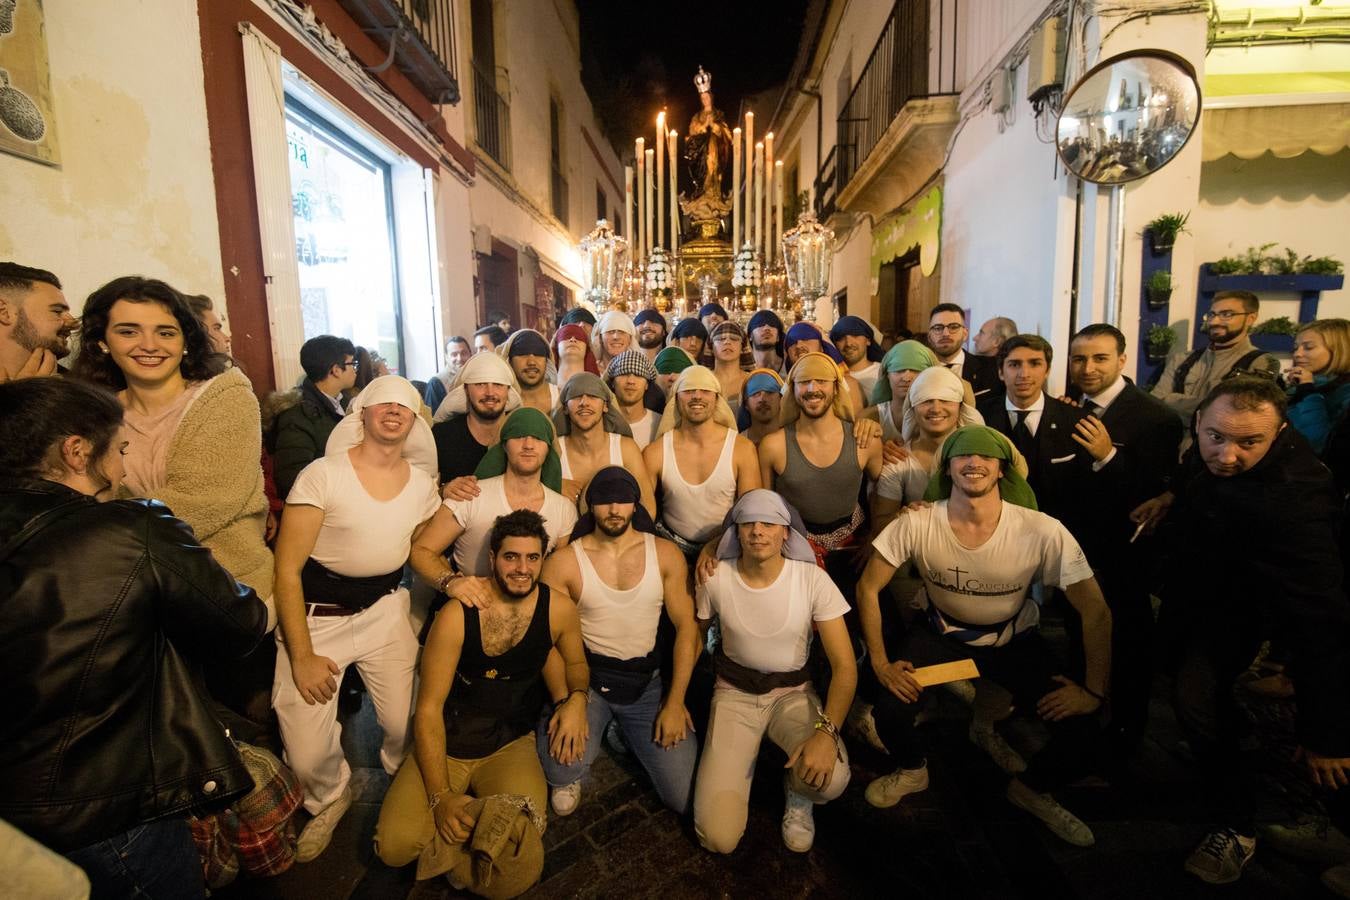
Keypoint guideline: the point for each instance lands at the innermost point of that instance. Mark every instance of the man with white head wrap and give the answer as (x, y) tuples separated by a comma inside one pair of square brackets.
[(768, 596), (350, 520), (613, 334), (468, 419), (698, 461)]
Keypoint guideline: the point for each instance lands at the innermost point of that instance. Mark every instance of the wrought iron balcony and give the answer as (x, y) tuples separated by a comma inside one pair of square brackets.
[(826, 192), (492, 115), (419, 36)]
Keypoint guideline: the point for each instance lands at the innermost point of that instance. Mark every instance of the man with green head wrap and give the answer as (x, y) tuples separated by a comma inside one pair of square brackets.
[(978, 549)]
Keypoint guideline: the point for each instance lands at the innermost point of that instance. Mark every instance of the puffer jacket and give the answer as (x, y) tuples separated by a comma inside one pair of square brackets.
[(299, 432), (102, 726)]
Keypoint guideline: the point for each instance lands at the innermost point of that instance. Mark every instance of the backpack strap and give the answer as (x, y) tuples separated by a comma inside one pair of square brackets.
[(1179, 377), (1245, 364)]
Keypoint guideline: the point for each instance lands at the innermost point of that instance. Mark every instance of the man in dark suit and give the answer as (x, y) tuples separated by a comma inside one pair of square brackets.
[(947, 333), (1137, 460)]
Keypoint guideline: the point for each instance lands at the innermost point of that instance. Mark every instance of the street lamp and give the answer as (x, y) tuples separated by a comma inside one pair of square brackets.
[(807, 252)]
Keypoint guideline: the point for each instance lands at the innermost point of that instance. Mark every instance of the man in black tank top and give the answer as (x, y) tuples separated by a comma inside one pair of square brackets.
[(481, 690)]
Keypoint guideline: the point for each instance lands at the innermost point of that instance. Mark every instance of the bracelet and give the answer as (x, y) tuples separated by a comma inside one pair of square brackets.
[(436, 798), (557, 706), (444, 581), (1092, 693), (824, 724)]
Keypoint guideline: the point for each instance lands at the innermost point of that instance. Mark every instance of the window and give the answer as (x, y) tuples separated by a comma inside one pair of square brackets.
[(344, 241), (557, 183)]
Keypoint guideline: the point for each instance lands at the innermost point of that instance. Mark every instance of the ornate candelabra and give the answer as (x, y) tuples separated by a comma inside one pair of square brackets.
[(807, 253), (605, 255)]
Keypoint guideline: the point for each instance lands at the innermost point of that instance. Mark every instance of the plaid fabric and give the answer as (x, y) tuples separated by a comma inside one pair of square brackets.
[(257, 834), (630, 362)]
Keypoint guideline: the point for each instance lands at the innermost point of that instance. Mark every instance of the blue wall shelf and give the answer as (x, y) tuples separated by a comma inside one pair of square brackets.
[(1310, 287)]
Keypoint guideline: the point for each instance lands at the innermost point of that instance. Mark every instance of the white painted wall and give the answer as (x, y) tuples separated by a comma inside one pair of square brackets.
[(134, 192)]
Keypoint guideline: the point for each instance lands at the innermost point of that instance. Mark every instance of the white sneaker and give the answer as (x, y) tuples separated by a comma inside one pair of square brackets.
[(799, 823), (1064, 824), (999, 750), (566, 799), (861, 724), (886, 791), (316, 834), (1221, 857)]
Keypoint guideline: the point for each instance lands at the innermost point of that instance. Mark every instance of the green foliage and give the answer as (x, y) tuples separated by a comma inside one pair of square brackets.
[(1160, 280), (1166, 227), (1277, 325), (1160, 339), (1258, 261)]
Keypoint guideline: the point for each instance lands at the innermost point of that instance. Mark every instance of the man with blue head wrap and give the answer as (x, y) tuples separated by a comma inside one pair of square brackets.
[(766, 340), (651, 332), (623, 577), (979, 549), (860, 346), (770, 600), (761, 403)]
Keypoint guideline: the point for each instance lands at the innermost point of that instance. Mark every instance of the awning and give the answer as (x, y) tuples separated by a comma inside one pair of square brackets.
[(1249, 132)]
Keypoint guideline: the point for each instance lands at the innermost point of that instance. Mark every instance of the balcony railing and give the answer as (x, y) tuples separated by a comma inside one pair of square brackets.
[(492, 113), (895, 73), (825, 192), (419, 36)]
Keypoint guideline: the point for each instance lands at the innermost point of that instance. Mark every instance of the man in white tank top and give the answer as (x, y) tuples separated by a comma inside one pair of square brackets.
[(699, 461), (344, 539), (769, 598), (622, 576), (592, 434)]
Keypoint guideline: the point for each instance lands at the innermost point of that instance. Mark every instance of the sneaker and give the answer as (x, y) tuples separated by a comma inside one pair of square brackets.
[(1337, 880), (799, 823), (1221, 857), (1062, 823), (566, 799), (999, 750), (316, 834), (886, 791), (1310, 839), (862, 725)]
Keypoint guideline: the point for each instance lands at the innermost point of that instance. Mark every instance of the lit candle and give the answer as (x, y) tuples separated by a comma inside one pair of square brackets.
[(671, 143), (750, 177), (736, 189), (758, 213), (660, 178), (651, 199), (641, 251), (628, 206), (778, 205), (767, 243)]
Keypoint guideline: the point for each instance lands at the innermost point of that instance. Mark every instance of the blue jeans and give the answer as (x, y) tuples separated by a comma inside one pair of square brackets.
[(672, 771), (157, 859)]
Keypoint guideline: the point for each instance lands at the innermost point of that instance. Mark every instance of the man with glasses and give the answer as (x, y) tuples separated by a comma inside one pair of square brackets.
[(1188, 378), (300, 432), (947, 335)]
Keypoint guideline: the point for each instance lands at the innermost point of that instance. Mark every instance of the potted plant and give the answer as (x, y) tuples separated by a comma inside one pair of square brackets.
[(1163, 231), (1159, 288), (1160, 341), (1275, 335)]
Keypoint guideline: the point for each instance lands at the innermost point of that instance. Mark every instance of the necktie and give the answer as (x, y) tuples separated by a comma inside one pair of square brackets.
[(1093, 409), (1022, 437)]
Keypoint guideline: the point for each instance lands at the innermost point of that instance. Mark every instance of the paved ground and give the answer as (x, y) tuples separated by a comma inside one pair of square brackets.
[(958, 839)]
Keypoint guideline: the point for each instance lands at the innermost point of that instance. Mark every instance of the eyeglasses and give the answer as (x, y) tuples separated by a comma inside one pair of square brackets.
[(951, 328), (1225, 315), (349, 364)]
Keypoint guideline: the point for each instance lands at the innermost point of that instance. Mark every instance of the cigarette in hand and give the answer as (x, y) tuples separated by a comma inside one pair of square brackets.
[(1138, 531)]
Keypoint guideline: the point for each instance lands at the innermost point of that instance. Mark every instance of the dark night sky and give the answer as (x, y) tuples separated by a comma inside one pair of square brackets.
[(640, 57)]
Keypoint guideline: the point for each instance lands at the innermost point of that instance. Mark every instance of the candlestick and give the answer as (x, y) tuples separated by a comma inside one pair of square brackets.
[(735, 189), (628, 206), (768, 197), (660, 178), (641, 250), (778, 203), (671, 143), (651, 200), (750, 177), (758, 212)]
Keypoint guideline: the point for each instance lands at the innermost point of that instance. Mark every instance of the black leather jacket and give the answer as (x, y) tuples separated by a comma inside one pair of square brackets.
[(102, 727)]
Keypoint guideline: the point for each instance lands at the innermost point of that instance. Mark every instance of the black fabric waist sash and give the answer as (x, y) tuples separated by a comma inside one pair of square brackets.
[(622, 681), (322, 585), (752, 681)]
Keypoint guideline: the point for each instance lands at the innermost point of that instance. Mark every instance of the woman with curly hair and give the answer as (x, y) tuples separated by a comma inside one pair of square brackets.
[(193, 426)]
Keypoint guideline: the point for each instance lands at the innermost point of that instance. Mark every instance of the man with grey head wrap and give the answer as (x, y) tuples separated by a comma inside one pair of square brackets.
[(592, 434)]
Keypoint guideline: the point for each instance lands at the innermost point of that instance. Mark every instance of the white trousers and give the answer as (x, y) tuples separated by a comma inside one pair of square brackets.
[(380, 642)]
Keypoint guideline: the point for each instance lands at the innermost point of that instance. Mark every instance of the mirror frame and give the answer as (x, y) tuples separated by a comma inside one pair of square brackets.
[(1166, 55)]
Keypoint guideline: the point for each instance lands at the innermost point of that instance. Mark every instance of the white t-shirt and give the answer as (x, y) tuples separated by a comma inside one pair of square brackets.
[(867, 379), (477, 515), (988, 585), (904, 481), (362, 536), (769, 629)]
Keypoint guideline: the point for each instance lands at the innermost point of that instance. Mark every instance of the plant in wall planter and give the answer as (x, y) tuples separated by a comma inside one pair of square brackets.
[(1162, 231), (1159, 289), (1160, 341), (1275, 335)]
